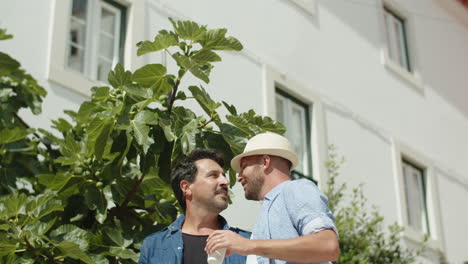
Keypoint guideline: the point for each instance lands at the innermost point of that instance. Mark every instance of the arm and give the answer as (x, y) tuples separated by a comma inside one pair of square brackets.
[(318, 247)]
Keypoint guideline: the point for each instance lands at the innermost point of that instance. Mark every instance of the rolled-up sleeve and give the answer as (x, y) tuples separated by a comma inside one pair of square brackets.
[(308, 208)]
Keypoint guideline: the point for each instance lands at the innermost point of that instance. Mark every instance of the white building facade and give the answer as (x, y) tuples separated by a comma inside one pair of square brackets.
[(386, 81)]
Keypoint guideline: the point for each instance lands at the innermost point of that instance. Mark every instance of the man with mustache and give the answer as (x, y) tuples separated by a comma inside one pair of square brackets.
[(201, 188), (295, 225)]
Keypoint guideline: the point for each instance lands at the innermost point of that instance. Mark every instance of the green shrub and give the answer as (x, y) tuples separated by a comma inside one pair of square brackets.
[(362, 236)]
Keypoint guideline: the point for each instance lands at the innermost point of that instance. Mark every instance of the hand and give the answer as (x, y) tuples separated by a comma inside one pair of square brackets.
[(233, 243)]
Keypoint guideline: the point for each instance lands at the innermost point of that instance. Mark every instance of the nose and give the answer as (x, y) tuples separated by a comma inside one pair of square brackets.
[(224, 180)]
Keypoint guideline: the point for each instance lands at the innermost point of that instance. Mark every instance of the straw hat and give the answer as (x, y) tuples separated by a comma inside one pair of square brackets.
[(267, 144)]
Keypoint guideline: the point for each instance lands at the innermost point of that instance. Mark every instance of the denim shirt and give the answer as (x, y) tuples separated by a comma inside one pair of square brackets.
[(292, 209), (167, 247)]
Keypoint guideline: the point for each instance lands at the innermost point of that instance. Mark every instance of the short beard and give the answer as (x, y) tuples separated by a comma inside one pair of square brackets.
[(219, 206), (254, 186)]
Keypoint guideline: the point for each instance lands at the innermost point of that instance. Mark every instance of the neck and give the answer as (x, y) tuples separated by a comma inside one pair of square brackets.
[(272, 180), (199, 222)]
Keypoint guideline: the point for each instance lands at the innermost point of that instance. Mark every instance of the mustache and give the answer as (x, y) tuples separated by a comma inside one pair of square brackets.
[(222, 189)]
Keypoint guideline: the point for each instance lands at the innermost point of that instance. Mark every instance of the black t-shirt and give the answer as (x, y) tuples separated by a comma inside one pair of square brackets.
[(194, 249)]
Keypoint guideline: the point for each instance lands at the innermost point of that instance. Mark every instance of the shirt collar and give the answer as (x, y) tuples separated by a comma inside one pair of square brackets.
[(177, 224), (271, 195)]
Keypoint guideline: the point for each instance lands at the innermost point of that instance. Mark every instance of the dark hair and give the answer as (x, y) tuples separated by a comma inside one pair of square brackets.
[(186, 169)]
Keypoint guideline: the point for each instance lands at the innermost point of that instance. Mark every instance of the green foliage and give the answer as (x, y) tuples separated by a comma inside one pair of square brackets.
[(362, 236), (90, 191)]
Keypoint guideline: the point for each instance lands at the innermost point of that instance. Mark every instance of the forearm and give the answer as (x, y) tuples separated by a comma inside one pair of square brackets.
[(319, 247)]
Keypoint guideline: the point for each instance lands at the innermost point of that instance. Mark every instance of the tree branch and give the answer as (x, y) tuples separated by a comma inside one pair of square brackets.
[(173, 96), (204, 125), (132, 192)]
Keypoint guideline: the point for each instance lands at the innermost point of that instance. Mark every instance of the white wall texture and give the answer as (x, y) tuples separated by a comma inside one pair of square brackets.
[(335, 53)]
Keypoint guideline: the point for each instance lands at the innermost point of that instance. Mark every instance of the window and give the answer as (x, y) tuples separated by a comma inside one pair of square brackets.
[(294, 114), (77, 58), (417, 195), (96, 37), (416, 199), (397, 42)]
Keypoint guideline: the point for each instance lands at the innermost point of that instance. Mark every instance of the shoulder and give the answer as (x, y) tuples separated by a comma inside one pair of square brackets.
[(300, 186), (298, 193), (155, 237), (241, 232), (300, 183)]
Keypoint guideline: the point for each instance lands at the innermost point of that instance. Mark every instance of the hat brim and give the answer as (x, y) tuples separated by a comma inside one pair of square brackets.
[(235, 162)]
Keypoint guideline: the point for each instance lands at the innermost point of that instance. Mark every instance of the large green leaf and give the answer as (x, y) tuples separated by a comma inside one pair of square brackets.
[(140, 128), (54, 182), (215, 39), (80, 237), (231, 108), (95, 200), (98, 133), (14, 134), (115, 235), (101, 93), (13, 205), (204, 99), (162, 41), (7, 63), (252, 124), (153, 76), (40, 228), (119, 77), (120, 189), (167, 129), (153, 185), (124, 253), (99, 259), (7, 248), (43, 205), (201, 70), (138, 93), (87, 112), (187, 139), (234, 136), (188, 30), (71, 250), (204, 56), (62, 125)]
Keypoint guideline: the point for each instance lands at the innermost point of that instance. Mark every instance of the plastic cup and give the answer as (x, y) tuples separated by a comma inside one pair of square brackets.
[(217, 256)]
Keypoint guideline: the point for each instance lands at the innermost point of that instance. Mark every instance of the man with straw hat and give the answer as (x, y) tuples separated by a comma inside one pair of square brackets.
[(295, 224)]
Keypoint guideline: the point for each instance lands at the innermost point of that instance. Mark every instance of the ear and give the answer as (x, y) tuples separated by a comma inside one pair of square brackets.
[(185, 187), (266, 161)]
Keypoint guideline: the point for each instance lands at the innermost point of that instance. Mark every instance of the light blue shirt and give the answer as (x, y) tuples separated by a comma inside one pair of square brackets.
[(292, 209)]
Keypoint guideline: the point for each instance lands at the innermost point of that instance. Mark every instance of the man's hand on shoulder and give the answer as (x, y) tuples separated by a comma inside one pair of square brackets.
[(233, 243)]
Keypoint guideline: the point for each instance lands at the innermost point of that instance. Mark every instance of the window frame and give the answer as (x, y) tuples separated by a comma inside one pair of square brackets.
[(404, 153), (119, 28), (305, 110), (401, 41), (422, 190), (93, 36), (273, 79), (58, 70), (410, 75)]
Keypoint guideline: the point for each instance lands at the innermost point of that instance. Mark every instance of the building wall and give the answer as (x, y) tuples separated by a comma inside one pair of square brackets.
[(330, 56)]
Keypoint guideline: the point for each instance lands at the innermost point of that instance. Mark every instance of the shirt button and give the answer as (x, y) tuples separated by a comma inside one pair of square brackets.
[(179, 248)]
